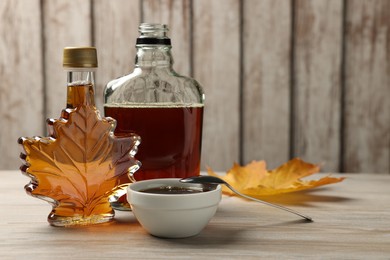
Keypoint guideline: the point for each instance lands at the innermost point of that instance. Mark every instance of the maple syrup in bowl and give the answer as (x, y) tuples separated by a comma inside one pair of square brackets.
[(172, 209)]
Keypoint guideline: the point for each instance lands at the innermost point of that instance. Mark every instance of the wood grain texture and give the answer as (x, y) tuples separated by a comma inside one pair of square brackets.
[(340, 83), (115, 33), (176, 14), (21, 88), (367, 87), (266, 81), (350, 222), (317, 85), (216, 67), (65, 23)]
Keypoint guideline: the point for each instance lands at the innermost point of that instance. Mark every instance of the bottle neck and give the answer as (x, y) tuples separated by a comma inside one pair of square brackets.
[(80, 88), (153, 56)]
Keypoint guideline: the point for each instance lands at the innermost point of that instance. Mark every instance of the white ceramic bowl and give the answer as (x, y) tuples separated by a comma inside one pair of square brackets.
[(172, 215)]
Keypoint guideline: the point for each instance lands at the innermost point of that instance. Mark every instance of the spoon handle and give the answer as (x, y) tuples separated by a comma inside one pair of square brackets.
[(269, 204)]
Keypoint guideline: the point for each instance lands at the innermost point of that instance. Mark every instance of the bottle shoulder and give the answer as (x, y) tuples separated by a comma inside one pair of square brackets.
[(154, 85)]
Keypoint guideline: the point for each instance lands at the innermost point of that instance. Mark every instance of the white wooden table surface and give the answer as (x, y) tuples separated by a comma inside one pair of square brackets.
[(352, 221)]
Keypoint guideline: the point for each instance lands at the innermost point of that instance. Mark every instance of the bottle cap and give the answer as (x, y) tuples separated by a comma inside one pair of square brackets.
[(153, 33), (80, 57)]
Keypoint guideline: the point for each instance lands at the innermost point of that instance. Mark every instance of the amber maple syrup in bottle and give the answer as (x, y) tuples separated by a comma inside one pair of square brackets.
[(81, 163), (164, 108)]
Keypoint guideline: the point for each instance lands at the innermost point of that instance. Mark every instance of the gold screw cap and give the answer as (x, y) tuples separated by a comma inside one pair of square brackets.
[(80, 57)]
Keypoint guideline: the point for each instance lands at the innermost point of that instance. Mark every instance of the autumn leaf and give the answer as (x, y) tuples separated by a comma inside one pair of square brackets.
[(255, 180), (77, 167)]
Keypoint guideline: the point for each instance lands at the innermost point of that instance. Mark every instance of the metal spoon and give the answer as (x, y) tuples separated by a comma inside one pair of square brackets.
[(215, 181)]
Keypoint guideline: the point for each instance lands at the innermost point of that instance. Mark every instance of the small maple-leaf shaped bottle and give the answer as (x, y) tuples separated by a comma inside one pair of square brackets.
[(81, 163)]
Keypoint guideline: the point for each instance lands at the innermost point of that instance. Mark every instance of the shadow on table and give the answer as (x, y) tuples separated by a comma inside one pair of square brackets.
[(213, 236), (302, 198), (123, 222)]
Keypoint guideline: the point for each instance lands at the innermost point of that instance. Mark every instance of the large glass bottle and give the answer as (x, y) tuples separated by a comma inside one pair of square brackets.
[(80, 165), (164, 108)]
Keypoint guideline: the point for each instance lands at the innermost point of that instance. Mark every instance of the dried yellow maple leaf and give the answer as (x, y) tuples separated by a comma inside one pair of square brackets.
[(255, 180)]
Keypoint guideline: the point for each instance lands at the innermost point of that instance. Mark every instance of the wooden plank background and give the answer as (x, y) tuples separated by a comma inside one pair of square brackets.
[(283, 79), (316, 80)]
